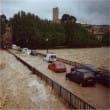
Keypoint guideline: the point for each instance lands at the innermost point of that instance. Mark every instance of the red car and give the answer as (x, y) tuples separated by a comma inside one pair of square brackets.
[(57, 66)]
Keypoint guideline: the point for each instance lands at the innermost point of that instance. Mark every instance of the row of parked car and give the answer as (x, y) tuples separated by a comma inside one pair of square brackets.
[(24, 50), (84, 74)]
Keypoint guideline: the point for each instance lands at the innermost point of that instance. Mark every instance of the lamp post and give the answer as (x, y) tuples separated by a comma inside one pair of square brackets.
[(46, 44)]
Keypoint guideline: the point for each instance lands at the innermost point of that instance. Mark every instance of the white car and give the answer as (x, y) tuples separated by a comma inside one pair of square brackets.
[(13, 46), (50, 57), (26, 50)]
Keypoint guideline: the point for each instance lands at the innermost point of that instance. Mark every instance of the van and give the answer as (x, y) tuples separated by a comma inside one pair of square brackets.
[(50, 57)]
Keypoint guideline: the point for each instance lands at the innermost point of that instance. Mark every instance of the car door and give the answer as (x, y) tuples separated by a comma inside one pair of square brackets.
[(53, 66), (74, 75), (78, 77)]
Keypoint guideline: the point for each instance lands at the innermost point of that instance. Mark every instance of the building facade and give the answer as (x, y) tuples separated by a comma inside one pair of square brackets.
[(98, 30)]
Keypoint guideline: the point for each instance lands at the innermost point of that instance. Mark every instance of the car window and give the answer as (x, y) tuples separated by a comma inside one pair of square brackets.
[(86, 75), (77, 73), (80, 66), (73, 72), (53, 56), (92, 67)]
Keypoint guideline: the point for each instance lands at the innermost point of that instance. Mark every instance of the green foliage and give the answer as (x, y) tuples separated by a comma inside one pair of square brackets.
[(76, 35), (31, 31)]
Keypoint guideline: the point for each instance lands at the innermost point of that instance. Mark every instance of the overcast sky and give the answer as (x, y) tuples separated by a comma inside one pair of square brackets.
[(86, 11)]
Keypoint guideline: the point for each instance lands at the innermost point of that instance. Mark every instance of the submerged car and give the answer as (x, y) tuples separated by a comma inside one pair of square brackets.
[(89, 67), (104, 78), (50, 57), (57, 66), (82, 76)]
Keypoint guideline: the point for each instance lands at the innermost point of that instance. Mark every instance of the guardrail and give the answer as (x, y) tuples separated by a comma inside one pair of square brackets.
[(74, 101)]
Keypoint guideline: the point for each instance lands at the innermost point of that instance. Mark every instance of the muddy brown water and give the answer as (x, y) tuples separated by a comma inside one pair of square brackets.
[(97, 96), (99, 57), (19, 89)]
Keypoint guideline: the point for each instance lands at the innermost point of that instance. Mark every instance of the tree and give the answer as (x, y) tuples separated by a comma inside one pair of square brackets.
[(76, 35), (68, 18), (31, 31), (2, 24), (69, 25)]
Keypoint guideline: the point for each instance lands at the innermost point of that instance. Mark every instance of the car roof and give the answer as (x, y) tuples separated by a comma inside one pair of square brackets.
[(58, 62), (84, 70), (91, 67), (51, 54)]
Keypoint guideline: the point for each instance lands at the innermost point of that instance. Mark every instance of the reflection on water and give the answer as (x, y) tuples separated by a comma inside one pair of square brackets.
[(95, 56)]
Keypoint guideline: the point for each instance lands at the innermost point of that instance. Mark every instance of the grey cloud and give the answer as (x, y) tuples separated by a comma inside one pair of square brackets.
[(101, 7), (2, 2), (90, 11)]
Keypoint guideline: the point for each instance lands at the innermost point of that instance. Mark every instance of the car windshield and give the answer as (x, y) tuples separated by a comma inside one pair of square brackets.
[(60, 64), (73, 72), (87, 75), (53, 56)]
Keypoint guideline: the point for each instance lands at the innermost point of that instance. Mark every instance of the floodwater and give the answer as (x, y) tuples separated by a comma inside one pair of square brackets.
[(99, 57), (97, 96), (19, 89)]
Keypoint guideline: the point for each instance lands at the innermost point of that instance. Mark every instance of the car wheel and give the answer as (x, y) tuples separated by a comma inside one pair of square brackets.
[(81, 84)]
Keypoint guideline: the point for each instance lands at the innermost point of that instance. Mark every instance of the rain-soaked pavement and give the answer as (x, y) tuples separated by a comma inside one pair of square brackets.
[(19, 89), (97, 96)]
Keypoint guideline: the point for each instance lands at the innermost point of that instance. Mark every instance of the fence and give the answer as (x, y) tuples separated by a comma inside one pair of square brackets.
[(73, 100)]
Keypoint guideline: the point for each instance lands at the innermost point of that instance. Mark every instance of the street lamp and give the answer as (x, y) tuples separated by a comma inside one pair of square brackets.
[(46, 44)]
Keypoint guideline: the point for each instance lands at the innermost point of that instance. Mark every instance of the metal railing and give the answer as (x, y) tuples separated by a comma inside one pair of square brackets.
[(74, 101)]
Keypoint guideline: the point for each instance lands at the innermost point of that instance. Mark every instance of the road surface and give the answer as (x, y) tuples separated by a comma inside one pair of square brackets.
[(97, 96)]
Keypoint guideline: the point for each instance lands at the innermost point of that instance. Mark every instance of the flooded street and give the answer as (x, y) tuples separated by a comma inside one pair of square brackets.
[(19, 89), (96, 56), (97, 96)]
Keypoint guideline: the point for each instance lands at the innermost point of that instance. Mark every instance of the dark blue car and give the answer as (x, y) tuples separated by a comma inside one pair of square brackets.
[(89, 67), (104, 78), (82, 76)]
